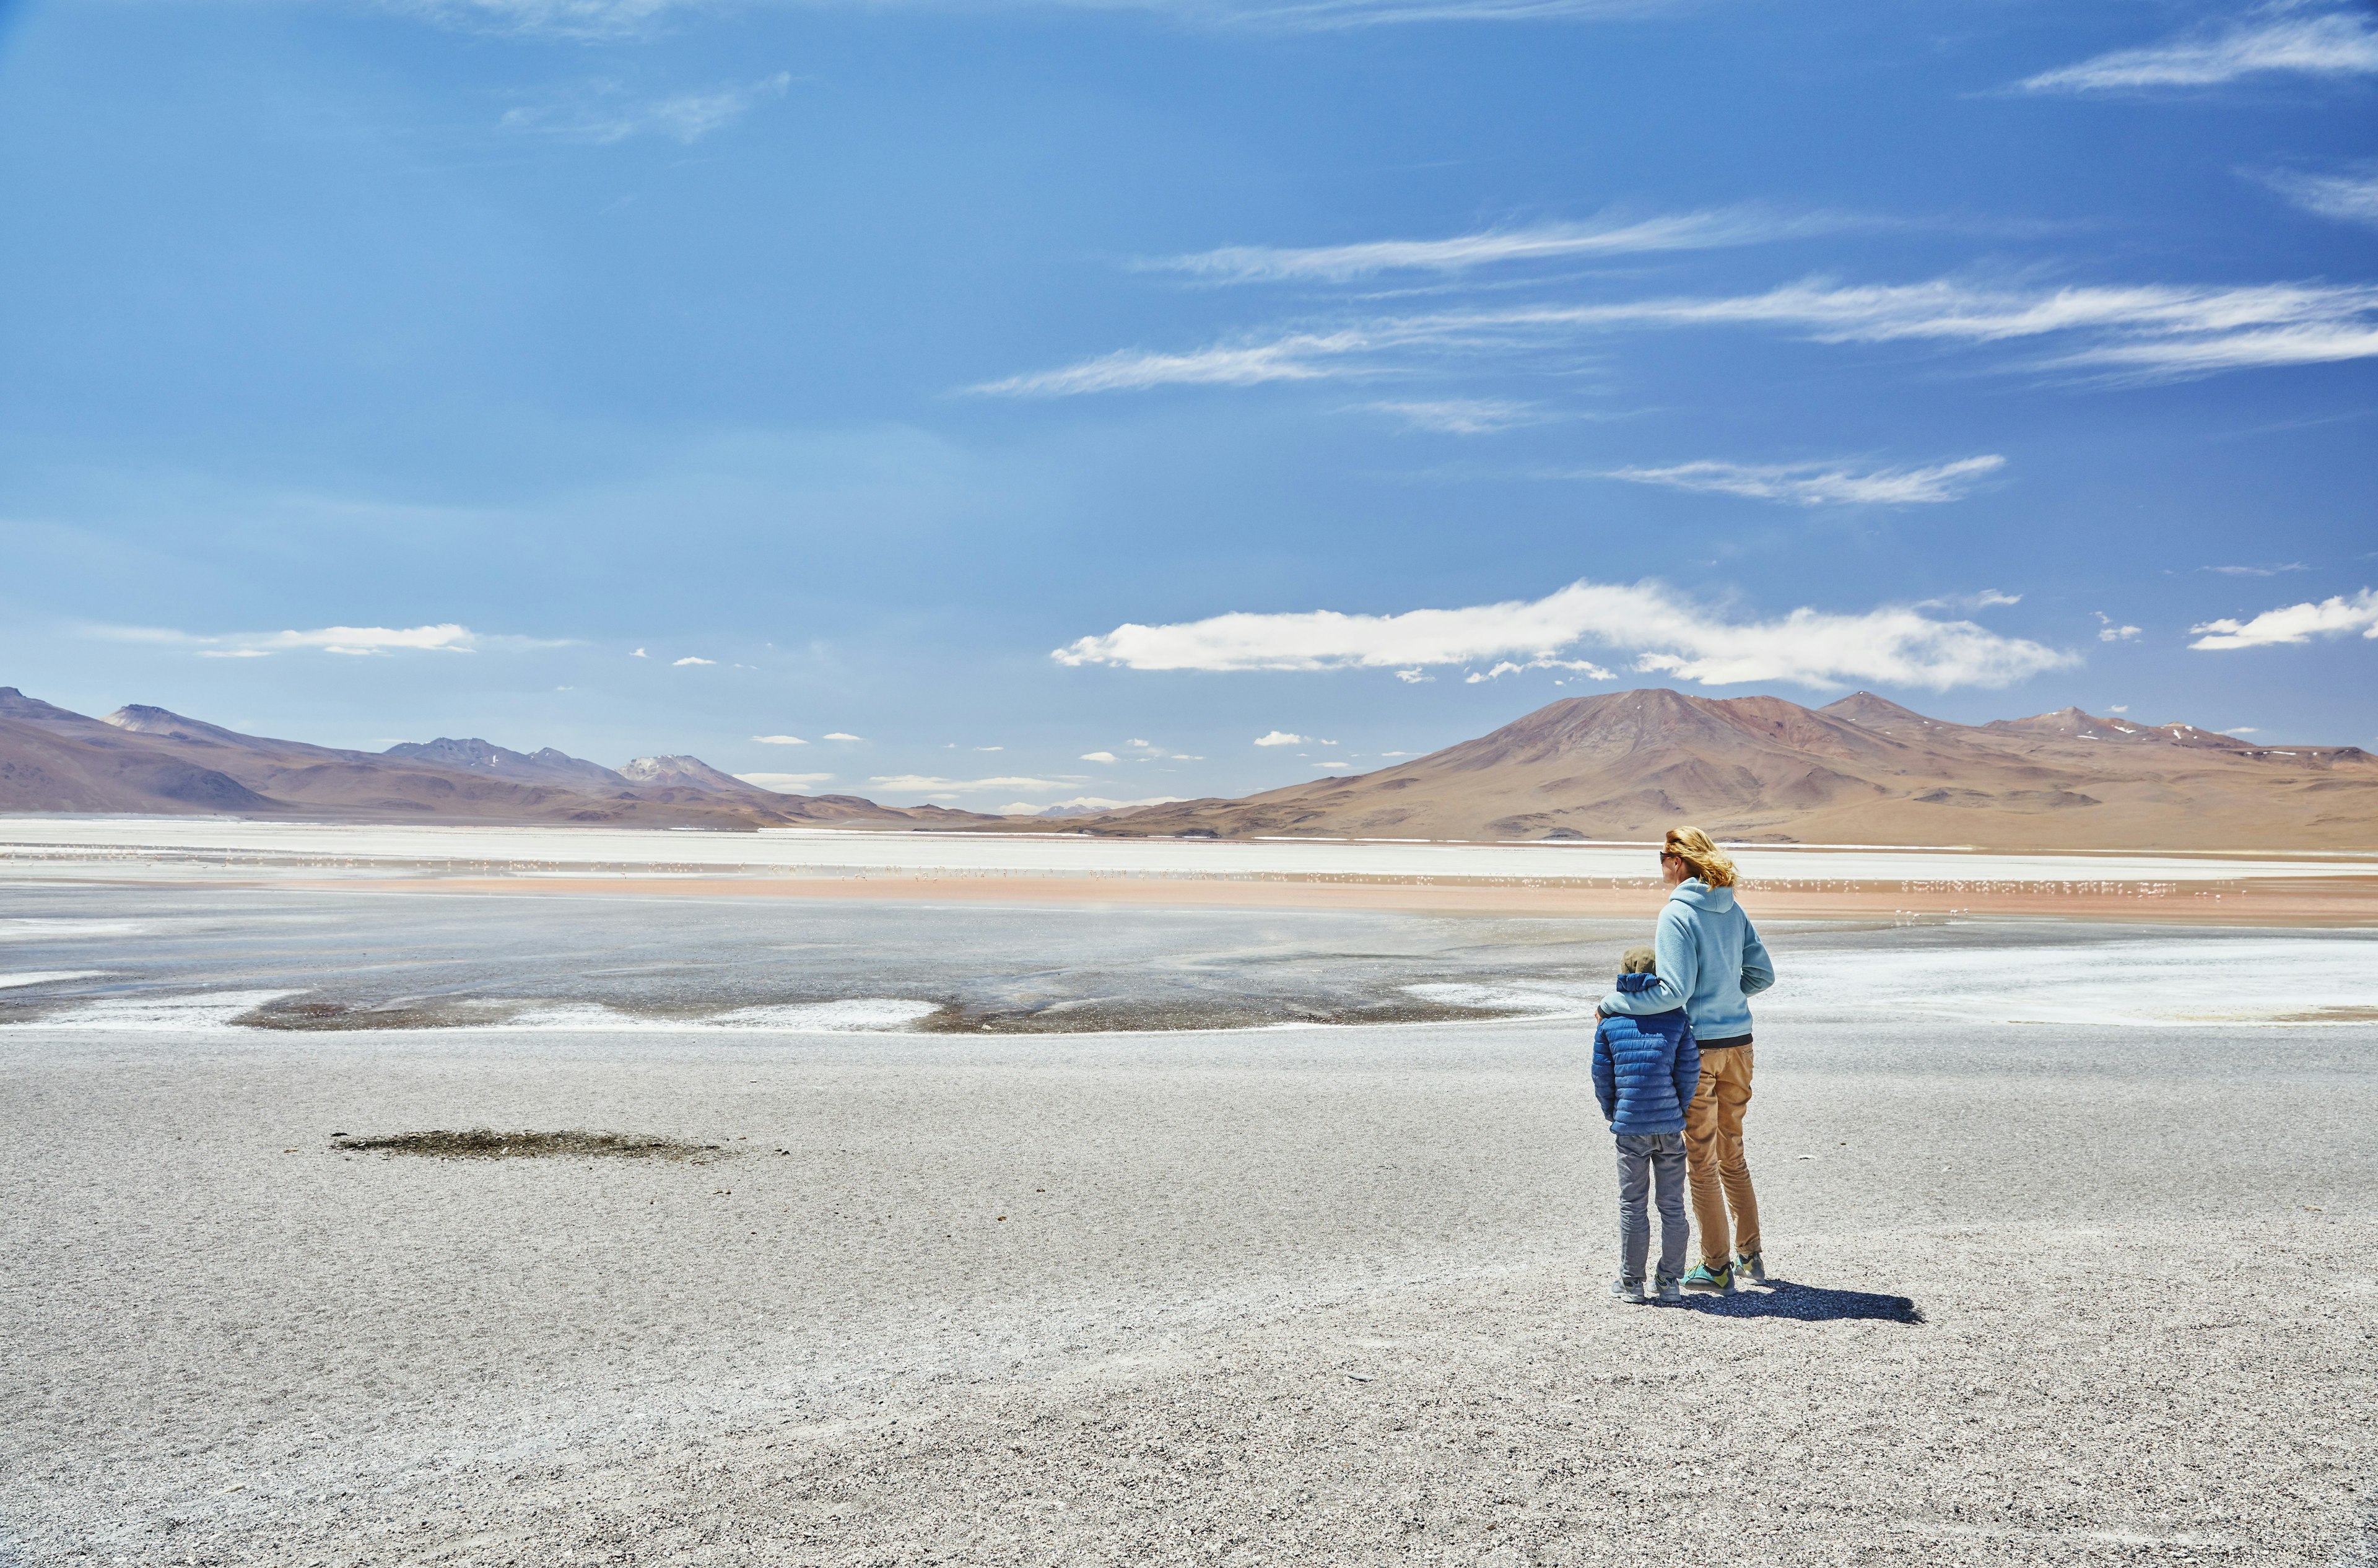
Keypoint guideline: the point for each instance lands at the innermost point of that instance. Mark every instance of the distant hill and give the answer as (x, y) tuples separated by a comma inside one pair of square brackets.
[(1864, 769), (547, 766), (141, 758)]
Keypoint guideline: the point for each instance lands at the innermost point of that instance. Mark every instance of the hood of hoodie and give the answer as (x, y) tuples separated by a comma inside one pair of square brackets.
[(1633, 983), (1700, 895)]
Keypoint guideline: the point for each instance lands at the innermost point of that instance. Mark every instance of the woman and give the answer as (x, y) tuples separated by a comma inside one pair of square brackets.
[(1710, 961)]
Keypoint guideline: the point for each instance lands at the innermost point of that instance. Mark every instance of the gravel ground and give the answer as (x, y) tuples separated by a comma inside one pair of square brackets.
[(2059, 1295)]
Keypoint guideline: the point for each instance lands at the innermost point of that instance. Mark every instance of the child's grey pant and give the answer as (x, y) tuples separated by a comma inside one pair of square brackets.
[(1645, 1158)]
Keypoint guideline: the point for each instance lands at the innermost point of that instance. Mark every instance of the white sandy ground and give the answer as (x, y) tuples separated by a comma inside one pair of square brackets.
[(66, 846), (1318, 1297), (2142, 982)]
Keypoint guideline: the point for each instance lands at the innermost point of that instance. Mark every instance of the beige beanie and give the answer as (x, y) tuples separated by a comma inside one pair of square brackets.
[(1639, 961)]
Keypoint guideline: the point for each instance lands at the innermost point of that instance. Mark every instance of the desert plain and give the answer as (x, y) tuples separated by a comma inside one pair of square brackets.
[(1064, 1201)]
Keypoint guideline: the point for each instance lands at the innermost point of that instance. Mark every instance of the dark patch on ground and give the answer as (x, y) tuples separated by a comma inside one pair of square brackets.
[(332, 1016), (486, 1143)]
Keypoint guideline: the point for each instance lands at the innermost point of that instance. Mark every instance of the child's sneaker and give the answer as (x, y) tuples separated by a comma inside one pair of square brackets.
[(1753, 1265), (1629, 1291), (1715, 1281), (1672, 1291)]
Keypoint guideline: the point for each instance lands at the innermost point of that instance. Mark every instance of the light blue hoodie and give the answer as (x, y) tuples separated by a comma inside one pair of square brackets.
[(1710, 962)]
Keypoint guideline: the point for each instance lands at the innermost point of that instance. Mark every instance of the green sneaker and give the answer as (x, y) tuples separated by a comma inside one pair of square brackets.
[(1671, 1291), (1711, 1281), (1628, 1290), (1753, 1265)]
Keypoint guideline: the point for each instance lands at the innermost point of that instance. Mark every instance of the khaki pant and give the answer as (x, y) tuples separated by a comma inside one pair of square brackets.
[(1713, 1159)]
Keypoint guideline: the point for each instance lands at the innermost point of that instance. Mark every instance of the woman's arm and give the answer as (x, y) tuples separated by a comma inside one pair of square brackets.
[(1680, 965), (1757, 973)]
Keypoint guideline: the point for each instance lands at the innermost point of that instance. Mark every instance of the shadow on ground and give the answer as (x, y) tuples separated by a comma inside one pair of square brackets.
[(1809, 1303)]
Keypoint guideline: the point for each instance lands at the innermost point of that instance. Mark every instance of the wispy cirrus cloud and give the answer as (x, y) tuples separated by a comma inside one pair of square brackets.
[(2280, 38), (1608, 236), (352, 640), (2348, 198), (2138, 331), (602, 112), (2335, 617), (1664, 632), (1463, 417), (1818, 483)]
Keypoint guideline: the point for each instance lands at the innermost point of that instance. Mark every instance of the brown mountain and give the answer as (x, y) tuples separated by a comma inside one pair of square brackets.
[(1864, 769), (150, 759)]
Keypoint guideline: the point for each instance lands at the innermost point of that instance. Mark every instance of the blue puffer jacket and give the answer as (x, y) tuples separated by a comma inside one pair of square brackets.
[(1645, 1069), (1711, 962)]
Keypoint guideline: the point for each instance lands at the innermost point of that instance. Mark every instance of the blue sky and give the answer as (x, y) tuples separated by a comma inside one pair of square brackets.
[(1054, 401)]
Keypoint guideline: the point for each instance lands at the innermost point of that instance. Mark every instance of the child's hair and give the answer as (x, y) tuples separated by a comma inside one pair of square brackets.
[(1704, 860), (1638, 961)]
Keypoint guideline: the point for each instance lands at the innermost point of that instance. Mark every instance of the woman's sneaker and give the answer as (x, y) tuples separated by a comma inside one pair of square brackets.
[(1713, 1281), (1671, 1291), (1753, 1265), (1629, 1291)]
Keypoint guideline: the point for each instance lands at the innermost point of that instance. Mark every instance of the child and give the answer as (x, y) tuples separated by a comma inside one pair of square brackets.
[(1645, 1070)]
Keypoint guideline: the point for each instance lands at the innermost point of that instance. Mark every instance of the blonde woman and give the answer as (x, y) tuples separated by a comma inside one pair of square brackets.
[(1710, 962)]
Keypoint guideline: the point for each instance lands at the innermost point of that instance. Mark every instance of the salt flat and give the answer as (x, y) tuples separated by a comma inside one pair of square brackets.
[(1325, 1296), (1004, 1255), (33, 843)]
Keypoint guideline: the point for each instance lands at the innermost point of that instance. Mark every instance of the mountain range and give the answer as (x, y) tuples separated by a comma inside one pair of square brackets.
[(1864, 769), (1623, 765), (150, 759)]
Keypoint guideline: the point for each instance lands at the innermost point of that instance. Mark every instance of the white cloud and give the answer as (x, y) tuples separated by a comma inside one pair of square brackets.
[(1988, 598), (2349, 198), (2332, 44), (2118, 708), (1585, 667), (1463, 416), (1099, 757), (639, 654), (1276, 737), (1412, 676), (1821, 485), (1608, 236), (2143, 330), (690, 659), (602, 112), (2109, 631), (793, 783), (2242, 729), (977, 748), (2294, 623), (1081, 803), (1297, 358), (2258, 572), (780, 740), (838, 734), (352, 640), (1666, 633)]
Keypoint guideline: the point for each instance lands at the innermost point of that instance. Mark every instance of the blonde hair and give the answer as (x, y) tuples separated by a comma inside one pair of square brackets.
[(1638, 961), (1704, 860)]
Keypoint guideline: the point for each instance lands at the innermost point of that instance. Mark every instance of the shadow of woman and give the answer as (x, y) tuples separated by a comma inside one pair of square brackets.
[(1809, 1303)]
